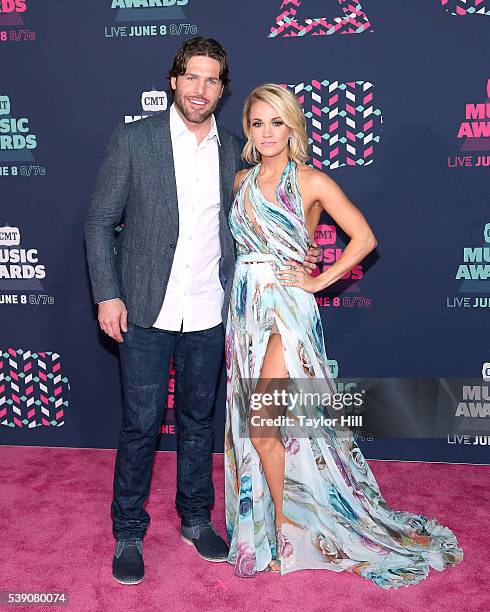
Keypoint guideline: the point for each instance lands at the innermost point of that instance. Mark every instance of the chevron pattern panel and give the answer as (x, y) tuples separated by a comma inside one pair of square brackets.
[(33, 390), (467, 7), (351, 20), (344, 124)]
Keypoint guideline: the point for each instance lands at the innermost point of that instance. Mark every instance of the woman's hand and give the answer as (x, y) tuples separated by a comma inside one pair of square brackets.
[(297, 276)]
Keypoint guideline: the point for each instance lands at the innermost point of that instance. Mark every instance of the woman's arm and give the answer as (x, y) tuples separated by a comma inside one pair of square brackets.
[(347, 216), (320, 189), (239, 176)]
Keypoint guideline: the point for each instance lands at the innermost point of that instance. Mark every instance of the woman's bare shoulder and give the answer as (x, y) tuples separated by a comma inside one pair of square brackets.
[(239, 176), (313, 180), (312, 175)]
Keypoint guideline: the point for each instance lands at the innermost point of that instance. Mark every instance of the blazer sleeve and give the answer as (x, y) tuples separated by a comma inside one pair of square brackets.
[(240, 163), (105, 212)]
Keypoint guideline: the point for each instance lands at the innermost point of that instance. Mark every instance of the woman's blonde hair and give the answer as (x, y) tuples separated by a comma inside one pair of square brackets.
[(290, 111)]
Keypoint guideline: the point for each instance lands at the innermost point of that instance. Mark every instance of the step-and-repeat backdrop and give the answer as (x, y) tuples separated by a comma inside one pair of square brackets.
[(396, 96)]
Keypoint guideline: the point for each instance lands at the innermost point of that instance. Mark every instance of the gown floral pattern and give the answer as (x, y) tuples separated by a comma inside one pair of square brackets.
[(336, 517)]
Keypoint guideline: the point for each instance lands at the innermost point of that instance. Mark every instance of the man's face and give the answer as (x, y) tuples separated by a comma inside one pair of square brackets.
[(197, 92)]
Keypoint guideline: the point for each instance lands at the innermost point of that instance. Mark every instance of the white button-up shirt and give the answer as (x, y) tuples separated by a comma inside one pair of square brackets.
[(194, 295)]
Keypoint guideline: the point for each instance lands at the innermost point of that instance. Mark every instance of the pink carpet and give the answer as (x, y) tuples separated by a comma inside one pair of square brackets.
[(56, 535)]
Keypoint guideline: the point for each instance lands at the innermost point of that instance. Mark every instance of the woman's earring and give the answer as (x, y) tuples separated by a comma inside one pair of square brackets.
[(254, 152)]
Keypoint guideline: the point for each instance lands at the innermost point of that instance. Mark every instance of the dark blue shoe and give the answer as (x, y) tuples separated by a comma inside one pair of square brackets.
[(127, 564), (207, 542)]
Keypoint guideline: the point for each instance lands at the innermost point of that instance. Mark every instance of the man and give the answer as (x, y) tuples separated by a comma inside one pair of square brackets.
[(164, 292)]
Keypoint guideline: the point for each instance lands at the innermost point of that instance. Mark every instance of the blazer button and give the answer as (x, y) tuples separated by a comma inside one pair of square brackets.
[(172, 245)]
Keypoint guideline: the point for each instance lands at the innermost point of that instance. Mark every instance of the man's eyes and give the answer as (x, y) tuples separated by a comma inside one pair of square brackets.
[(191, 77)]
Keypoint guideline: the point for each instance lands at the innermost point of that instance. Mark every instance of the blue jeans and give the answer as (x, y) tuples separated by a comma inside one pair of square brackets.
[(145, 355)]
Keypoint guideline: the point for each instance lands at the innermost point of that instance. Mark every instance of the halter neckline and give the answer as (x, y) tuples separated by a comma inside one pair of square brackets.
[(255, 182), (277, 226)]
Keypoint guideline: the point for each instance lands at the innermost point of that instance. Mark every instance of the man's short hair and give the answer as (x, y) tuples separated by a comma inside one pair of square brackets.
[(207, 47)]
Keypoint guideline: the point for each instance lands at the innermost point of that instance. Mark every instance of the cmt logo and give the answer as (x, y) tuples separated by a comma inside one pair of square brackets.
[(151, 102), (325, 234), (9, 236), (307, 18), (344, 122), (4, 105), (466, 7), (148, 10), (333, 366), (154, 101), (485, 371)]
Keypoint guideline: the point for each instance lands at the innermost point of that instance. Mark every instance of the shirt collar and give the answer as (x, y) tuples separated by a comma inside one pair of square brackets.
[(178, 127)]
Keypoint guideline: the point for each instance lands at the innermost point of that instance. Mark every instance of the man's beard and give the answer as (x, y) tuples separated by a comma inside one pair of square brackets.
[(193, 116)]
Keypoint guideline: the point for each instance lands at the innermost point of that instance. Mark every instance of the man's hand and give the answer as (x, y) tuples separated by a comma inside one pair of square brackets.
[(313, 256), (113, 318)]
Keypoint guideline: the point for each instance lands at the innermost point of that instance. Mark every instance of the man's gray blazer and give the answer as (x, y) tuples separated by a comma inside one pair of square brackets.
[(137, 180)]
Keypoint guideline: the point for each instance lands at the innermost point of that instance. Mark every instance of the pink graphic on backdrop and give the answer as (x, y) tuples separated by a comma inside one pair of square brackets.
[(344, 124), (467, 7), (325, 234), (33, 390), (326, 239), (291, 21), (475, 129), (10, 12), (169, 422), (11, 19)]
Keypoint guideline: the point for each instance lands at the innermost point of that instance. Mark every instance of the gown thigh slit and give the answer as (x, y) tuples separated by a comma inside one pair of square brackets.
[(335, 517), (268, 381)]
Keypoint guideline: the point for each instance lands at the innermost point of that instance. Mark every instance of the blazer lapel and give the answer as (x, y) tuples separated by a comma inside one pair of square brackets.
[(226, 170), (163, 155), (164, 159)]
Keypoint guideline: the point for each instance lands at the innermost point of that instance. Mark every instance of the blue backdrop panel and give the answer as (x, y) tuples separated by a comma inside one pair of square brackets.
[(396, 98)]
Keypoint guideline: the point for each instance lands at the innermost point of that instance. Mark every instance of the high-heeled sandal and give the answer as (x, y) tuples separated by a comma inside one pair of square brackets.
[(275, 564)]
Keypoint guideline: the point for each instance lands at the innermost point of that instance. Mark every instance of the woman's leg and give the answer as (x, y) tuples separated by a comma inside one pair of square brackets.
[(267, 439)]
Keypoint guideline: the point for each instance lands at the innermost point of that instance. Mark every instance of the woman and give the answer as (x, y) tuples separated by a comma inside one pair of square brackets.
[(295, 498)]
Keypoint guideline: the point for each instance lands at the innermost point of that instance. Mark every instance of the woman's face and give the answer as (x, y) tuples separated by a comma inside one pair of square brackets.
[(269, 132)]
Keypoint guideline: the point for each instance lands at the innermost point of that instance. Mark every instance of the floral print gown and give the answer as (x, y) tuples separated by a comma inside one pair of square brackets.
[(335, 515)]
